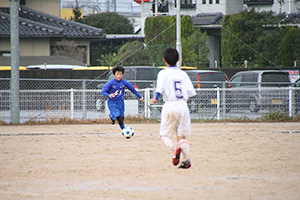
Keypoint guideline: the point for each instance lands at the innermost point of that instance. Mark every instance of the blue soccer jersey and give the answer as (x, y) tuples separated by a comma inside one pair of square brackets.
[(118, 88), (116, 104)]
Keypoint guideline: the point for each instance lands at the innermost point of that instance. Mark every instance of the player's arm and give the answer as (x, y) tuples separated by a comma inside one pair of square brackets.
[(133, 90), (155, 99), (105, 89)]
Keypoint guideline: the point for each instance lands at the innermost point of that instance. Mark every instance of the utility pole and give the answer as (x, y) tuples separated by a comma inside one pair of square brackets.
[(107, 5), (14, 46), (178, 33)]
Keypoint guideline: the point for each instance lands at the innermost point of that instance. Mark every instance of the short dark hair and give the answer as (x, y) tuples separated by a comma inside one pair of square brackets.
[(171, 56), (118, 68)]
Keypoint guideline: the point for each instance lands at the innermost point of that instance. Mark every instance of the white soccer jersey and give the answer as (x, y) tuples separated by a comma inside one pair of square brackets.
[(176, 87), (174, 84)]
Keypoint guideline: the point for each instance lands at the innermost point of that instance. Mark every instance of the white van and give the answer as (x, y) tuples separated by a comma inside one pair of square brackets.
[(255, 89)]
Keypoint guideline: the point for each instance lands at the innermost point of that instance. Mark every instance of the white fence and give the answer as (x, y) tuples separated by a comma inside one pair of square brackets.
[(210, 103)]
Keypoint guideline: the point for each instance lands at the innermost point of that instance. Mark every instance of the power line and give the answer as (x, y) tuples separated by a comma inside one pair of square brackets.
[(249, 47)]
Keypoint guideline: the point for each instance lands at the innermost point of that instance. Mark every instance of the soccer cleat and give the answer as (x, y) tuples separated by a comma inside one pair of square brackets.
[(176, 156), (185, 165)]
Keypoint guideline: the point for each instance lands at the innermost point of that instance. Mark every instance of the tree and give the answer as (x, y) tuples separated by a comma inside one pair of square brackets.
[(252, 36), (194, 51), (77, 14), (160, 32), (106, 59), (289, 48), (109, 22), (132, 53)]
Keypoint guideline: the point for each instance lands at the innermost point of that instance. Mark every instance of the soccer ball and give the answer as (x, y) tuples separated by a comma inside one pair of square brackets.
[(127, 132)]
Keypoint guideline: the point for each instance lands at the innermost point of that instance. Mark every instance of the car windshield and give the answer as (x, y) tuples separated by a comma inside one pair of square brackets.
[(207, 76), (215, 77), (147, 74)]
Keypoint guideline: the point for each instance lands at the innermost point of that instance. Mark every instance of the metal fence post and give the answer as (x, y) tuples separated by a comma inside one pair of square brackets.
[(147, 102), (223, 100), (72, 103), (83, 100), (218, 103), (291, 102)]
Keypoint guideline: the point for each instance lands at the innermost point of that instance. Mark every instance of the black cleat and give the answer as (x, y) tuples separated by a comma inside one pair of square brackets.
[(185, 165)]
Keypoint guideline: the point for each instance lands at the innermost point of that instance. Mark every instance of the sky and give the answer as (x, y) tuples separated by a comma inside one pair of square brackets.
[(122, 5)]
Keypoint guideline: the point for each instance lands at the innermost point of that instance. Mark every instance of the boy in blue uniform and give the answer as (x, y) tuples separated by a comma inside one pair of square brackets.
[(114, 90)]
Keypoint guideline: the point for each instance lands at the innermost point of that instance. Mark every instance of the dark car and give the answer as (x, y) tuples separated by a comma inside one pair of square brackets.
[(256, 89), (140, 76), (205, 79)]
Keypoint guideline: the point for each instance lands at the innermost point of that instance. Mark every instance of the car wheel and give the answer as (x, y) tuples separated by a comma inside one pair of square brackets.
[(253, 107)]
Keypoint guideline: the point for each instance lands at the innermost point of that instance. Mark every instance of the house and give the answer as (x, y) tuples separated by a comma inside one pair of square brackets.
[(41, 33), (208, 15)]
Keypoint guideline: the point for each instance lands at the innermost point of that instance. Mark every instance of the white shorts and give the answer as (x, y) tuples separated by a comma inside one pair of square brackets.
[(175, 119)]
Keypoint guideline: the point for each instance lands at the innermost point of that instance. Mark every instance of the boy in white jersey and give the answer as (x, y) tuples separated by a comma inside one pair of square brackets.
[(176, 87)]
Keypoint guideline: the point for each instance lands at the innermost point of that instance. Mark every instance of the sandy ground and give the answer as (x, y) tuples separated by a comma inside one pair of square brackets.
[(229, 161)]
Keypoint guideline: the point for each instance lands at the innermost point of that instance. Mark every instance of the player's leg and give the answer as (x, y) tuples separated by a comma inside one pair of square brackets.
[(113, 111), (166, 131), (184, 130), (168, 128), (121, 122), (185, 148), (168, 142), (112, 121), (121, 108)]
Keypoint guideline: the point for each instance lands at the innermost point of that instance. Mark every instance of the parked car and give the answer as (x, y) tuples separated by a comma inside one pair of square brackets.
[(250, 89), (206, 79), (140, 76)]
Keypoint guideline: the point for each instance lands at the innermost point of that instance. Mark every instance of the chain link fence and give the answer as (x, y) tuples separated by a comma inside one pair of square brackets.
[(43, 100)]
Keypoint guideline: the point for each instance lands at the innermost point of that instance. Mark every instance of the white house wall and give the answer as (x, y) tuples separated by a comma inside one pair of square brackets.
[(290, 6), (51, 7)]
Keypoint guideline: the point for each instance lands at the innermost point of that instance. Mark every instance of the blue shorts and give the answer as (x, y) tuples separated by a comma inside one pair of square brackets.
[(116, 108)]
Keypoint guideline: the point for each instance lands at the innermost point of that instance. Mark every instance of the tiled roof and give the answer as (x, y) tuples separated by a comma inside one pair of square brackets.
[(33, 23), (204, 19), (38, 60)]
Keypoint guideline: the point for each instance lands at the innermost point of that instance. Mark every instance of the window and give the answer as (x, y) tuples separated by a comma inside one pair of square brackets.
[(210, 1), (5, 53), (236, 81), (203, 1), (188, 4), (258, 2), (269, 79), (249, 79), (217, 1)]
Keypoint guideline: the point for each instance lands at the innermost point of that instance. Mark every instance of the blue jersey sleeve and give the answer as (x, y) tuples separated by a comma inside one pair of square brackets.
[(131, 88), (105, 88)]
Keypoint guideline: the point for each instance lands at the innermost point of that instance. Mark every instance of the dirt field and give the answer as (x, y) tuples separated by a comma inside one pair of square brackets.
[(229, 161)]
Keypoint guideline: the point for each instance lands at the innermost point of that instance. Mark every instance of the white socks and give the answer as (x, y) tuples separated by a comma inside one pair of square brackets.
[(168, 142), (183, 144), (185, 147)]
